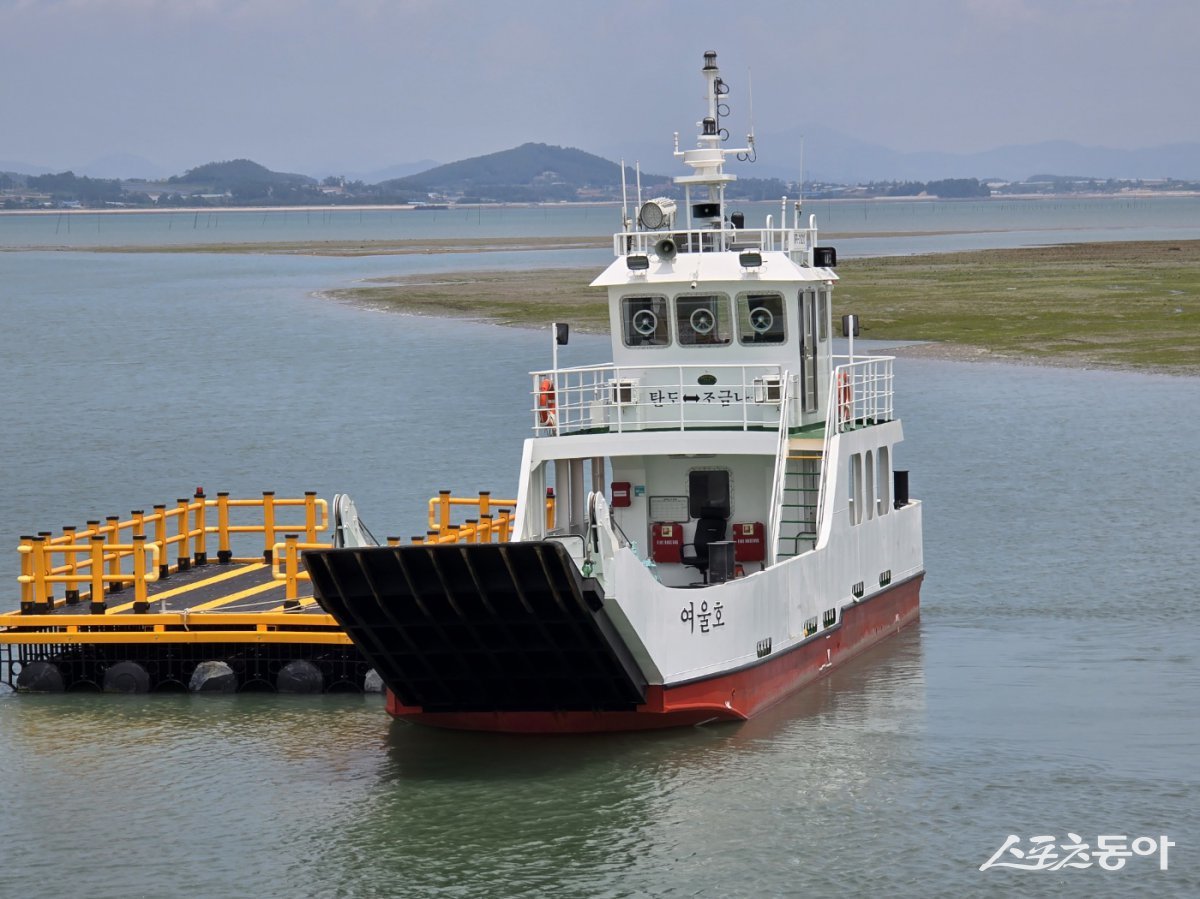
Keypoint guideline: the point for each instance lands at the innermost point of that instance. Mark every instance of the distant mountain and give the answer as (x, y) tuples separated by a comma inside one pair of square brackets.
[(528, 172), (225, 175)]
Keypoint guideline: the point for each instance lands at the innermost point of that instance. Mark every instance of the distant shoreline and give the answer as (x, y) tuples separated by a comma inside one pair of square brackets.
[(408, 246), (614, 204)]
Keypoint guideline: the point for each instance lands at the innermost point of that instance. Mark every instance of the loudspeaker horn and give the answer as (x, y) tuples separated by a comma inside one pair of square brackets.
[(666, 249)]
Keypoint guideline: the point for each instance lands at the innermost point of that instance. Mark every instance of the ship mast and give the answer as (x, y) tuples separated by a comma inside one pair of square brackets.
[(708, 159)]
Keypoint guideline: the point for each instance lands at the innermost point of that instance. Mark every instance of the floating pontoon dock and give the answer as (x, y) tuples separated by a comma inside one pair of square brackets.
[(140, 605)]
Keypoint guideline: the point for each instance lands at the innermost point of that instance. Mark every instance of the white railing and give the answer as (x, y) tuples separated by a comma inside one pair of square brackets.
[(615, 398), (861, 392), (716, 240)]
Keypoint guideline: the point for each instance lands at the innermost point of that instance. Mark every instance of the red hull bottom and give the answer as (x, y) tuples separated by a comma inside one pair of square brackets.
[(734, 696)]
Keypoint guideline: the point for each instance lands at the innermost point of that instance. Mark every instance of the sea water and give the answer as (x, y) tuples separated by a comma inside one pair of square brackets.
[(860, 227), (1048, 690)]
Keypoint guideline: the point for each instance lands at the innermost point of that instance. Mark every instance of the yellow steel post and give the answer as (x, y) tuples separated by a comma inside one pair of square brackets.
[(26, 579), (99, 606), (393, 541), (485, 528), (91, 529), (505, 524), (455, 533), (417, 540), (431, 536), (72, 565), (137, 519), (444, 509), (112, 535), (184, 556), (485, 502), (48, 569), (41, 601), (549, 509), (140, 603), (224, 551), (160, 537), (268, 507), (200, 505), (26, 552), (310, 516), (471, 531), (291, 565)]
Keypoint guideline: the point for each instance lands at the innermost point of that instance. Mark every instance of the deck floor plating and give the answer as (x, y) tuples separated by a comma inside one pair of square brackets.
[(213, 587)]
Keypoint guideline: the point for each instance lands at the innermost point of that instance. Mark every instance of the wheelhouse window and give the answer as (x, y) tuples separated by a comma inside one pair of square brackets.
[(708, 493), (702, 321), (822, 315), (644, 321), (760, 318)]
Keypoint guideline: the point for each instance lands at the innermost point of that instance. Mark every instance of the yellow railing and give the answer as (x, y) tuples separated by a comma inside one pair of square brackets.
[(111, 555), (102, 564), (270, 528), (492, 521), (286, 567)]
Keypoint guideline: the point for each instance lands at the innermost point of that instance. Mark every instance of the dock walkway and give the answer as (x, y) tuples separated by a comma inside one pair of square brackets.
[(140, 605)]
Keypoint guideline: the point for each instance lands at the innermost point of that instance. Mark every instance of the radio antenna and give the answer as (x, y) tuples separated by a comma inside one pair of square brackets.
[(624, 199), (751, 153), (800, 199)]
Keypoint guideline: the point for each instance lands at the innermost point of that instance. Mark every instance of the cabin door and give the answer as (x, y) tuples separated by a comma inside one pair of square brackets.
[(808, 350)]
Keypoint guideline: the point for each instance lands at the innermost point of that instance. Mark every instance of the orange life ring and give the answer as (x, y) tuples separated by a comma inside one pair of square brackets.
[(845, 397), (546, 404)]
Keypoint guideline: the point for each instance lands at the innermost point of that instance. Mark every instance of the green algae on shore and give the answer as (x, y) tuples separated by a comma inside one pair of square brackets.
[(1129, 305), (1123, 305)]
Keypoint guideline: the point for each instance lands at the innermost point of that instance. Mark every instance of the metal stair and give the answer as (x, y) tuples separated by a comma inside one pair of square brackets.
[(801, 491)]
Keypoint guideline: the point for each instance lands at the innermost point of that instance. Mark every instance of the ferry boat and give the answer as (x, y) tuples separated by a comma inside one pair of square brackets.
[(727, 523)]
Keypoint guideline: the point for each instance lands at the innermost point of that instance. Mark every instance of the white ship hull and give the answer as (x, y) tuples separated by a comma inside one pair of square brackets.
[(704, 525)]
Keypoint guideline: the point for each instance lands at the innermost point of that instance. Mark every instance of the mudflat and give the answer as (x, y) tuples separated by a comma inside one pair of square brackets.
[(1128, 305)]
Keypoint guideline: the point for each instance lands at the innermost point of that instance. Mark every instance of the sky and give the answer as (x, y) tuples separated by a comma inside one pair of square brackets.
[(345, 86)]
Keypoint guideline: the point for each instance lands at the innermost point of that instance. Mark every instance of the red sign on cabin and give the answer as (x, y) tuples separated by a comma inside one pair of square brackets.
[(620, 494), (666, 541), (749, 545)]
